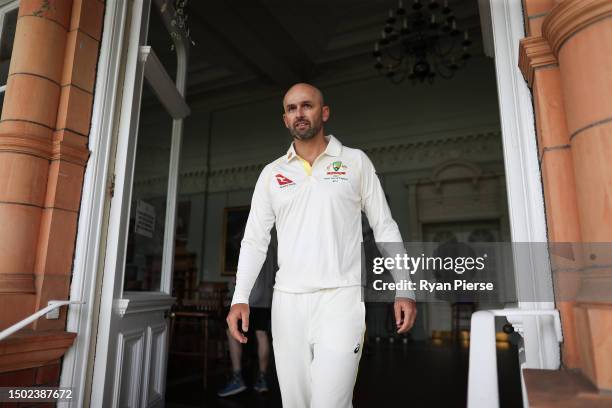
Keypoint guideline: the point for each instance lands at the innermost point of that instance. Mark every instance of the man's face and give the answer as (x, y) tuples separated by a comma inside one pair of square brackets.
[(304, 112)]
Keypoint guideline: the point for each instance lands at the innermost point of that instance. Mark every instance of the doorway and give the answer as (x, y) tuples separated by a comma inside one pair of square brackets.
[(131, 339), (236, 97)]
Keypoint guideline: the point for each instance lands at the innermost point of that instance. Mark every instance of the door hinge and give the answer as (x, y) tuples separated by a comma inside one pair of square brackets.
[(111, 186)]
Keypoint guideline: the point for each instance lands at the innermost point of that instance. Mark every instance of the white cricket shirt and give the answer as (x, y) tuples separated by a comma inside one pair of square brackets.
[(317, 211)]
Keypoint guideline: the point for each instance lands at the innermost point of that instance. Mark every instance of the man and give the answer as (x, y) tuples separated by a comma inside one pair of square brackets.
[(315, 194)]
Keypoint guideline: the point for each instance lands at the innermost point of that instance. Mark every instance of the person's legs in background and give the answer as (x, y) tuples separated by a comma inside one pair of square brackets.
[(263, 353), (259, 322), (235, 350), (236, 383)]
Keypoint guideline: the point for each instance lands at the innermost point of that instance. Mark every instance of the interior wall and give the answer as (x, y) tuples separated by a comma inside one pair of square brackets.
[(370, 113), (364, 113)]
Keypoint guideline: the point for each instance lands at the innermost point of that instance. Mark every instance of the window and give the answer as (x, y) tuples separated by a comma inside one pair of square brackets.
[(8, 24)]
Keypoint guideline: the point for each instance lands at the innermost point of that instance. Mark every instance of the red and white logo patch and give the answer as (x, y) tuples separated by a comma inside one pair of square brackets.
[(282, 180)]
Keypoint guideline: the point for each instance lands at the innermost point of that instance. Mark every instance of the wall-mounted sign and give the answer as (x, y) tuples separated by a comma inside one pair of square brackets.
[(145, 219)]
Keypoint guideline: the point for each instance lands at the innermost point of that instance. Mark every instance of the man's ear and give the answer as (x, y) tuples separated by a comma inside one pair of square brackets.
[(325, 113), (286, 121)]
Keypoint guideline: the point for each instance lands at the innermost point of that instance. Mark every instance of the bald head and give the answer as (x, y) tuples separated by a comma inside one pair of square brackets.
[(304, 111), (304, 90)]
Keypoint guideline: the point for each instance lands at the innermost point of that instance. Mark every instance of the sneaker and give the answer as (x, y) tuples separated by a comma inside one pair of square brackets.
[(261, 385), (233, 387)]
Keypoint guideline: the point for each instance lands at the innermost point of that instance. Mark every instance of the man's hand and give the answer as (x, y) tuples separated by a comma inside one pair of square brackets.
[(407, 308), (239, 311)]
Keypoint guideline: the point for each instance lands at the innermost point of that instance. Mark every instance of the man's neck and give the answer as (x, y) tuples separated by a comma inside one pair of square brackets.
[(310, 149)]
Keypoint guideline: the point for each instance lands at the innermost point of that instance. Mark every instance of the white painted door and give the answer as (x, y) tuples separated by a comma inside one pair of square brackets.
[(131, 349)]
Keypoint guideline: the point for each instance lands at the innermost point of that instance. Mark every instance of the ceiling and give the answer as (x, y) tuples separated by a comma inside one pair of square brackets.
[(274, 43)]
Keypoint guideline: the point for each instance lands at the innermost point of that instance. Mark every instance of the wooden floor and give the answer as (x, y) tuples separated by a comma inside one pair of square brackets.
[(416, 374)]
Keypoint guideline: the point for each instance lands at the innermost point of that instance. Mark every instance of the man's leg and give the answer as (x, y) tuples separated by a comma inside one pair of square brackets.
[(235, 350), (236, 383), (292, 352), (333, 377), (263, 354), (340, 322), (263, 350)]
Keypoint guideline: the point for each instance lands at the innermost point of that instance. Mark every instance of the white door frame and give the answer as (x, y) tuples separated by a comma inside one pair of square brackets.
[(88, 274), (525, 199), (525, 196)]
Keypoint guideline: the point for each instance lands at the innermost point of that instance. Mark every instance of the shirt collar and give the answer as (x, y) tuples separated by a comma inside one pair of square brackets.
[(334, 147)]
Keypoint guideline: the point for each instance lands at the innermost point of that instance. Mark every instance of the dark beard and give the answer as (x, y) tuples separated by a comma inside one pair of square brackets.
[(306, 134)]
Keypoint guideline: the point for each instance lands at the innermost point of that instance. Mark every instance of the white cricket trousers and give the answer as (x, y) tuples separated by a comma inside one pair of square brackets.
[(318, 340)]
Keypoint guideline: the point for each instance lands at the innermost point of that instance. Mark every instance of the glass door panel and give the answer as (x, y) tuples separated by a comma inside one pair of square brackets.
[(143, 264)]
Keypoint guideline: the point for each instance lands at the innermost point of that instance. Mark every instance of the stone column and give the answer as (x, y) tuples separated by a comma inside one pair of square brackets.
[(579, 33), (541, 70), (26, 132), (43, 150)]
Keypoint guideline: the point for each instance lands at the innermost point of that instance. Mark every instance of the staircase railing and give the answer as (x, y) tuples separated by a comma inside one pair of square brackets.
[(51, 310)]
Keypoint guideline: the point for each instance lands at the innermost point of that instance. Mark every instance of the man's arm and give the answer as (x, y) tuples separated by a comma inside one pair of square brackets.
[(386, 232), (253, 249)]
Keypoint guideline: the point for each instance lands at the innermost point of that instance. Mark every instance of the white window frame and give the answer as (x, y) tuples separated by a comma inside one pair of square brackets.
[(6, 6)]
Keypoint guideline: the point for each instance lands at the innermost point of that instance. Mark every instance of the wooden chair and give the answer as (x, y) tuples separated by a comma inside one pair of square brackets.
[(185, 271), (205, 313), (461, 318)]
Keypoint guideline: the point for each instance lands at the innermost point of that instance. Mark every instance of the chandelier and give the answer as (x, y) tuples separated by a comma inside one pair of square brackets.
[(421, 41)]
